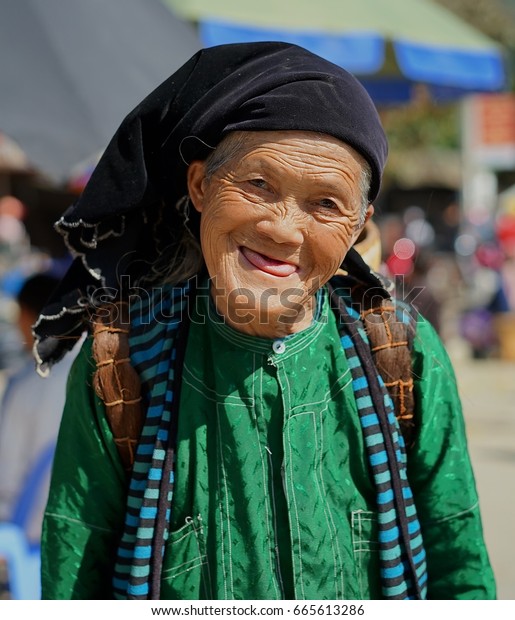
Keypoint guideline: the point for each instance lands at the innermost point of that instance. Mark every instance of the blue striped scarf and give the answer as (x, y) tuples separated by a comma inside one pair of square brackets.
[(156, 322), (401, 551)]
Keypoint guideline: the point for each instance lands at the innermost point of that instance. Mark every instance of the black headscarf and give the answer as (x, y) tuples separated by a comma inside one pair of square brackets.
[(118, 225)]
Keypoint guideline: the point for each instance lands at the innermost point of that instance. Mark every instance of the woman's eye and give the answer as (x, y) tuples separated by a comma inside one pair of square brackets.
[(259, 183), (327, 203)]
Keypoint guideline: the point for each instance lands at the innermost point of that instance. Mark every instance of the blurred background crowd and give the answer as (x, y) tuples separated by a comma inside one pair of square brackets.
[(441, 73)]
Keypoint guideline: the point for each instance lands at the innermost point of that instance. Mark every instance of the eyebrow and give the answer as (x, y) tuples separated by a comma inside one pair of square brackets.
[(266, 165)]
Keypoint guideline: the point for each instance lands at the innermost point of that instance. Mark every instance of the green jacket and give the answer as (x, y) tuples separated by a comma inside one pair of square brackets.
[(273, 497)]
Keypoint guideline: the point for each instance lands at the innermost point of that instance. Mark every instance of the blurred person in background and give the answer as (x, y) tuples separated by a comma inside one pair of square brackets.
[(14, 250), (504, 319), (14, 240), (406, 260), (30, 413), (505, 230), (487, 322)]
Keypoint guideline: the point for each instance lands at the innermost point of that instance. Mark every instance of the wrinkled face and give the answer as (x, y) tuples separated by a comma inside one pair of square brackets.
[(276, 222)]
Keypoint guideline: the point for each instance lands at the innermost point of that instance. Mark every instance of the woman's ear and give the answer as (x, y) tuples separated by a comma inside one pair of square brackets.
[(196, 176), (369, 213)]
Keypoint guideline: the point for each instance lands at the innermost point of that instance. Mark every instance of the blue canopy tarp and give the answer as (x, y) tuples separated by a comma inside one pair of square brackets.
[(430, 44)]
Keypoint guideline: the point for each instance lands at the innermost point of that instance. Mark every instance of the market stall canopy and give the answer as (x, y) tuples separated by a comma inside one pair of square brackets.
[(430, 44), (70, 70)]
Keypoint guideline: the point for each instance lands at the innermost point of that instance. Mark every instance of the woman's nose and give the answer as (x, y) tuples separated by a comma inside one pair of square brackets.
[(286, 225)]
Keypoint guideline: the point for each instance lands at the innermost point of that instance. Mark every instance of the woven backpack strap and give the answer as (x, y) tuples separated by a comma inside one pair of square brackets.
[(390, 344), (390, 337), (115, 380)]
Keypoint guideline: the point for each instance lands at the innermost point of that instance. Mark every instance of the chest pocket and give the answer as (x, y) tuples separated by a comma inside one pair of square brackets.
[(365, 548), (185, 569)]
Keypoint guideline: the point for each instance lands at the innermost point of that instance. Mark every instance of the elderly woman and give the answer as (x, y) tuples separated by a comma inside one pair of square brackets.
[(228, 433)]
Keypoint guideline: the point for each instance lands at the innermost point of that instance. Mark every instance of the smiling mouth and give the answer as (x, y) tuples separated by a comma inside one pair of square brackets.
[(269, 265)]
